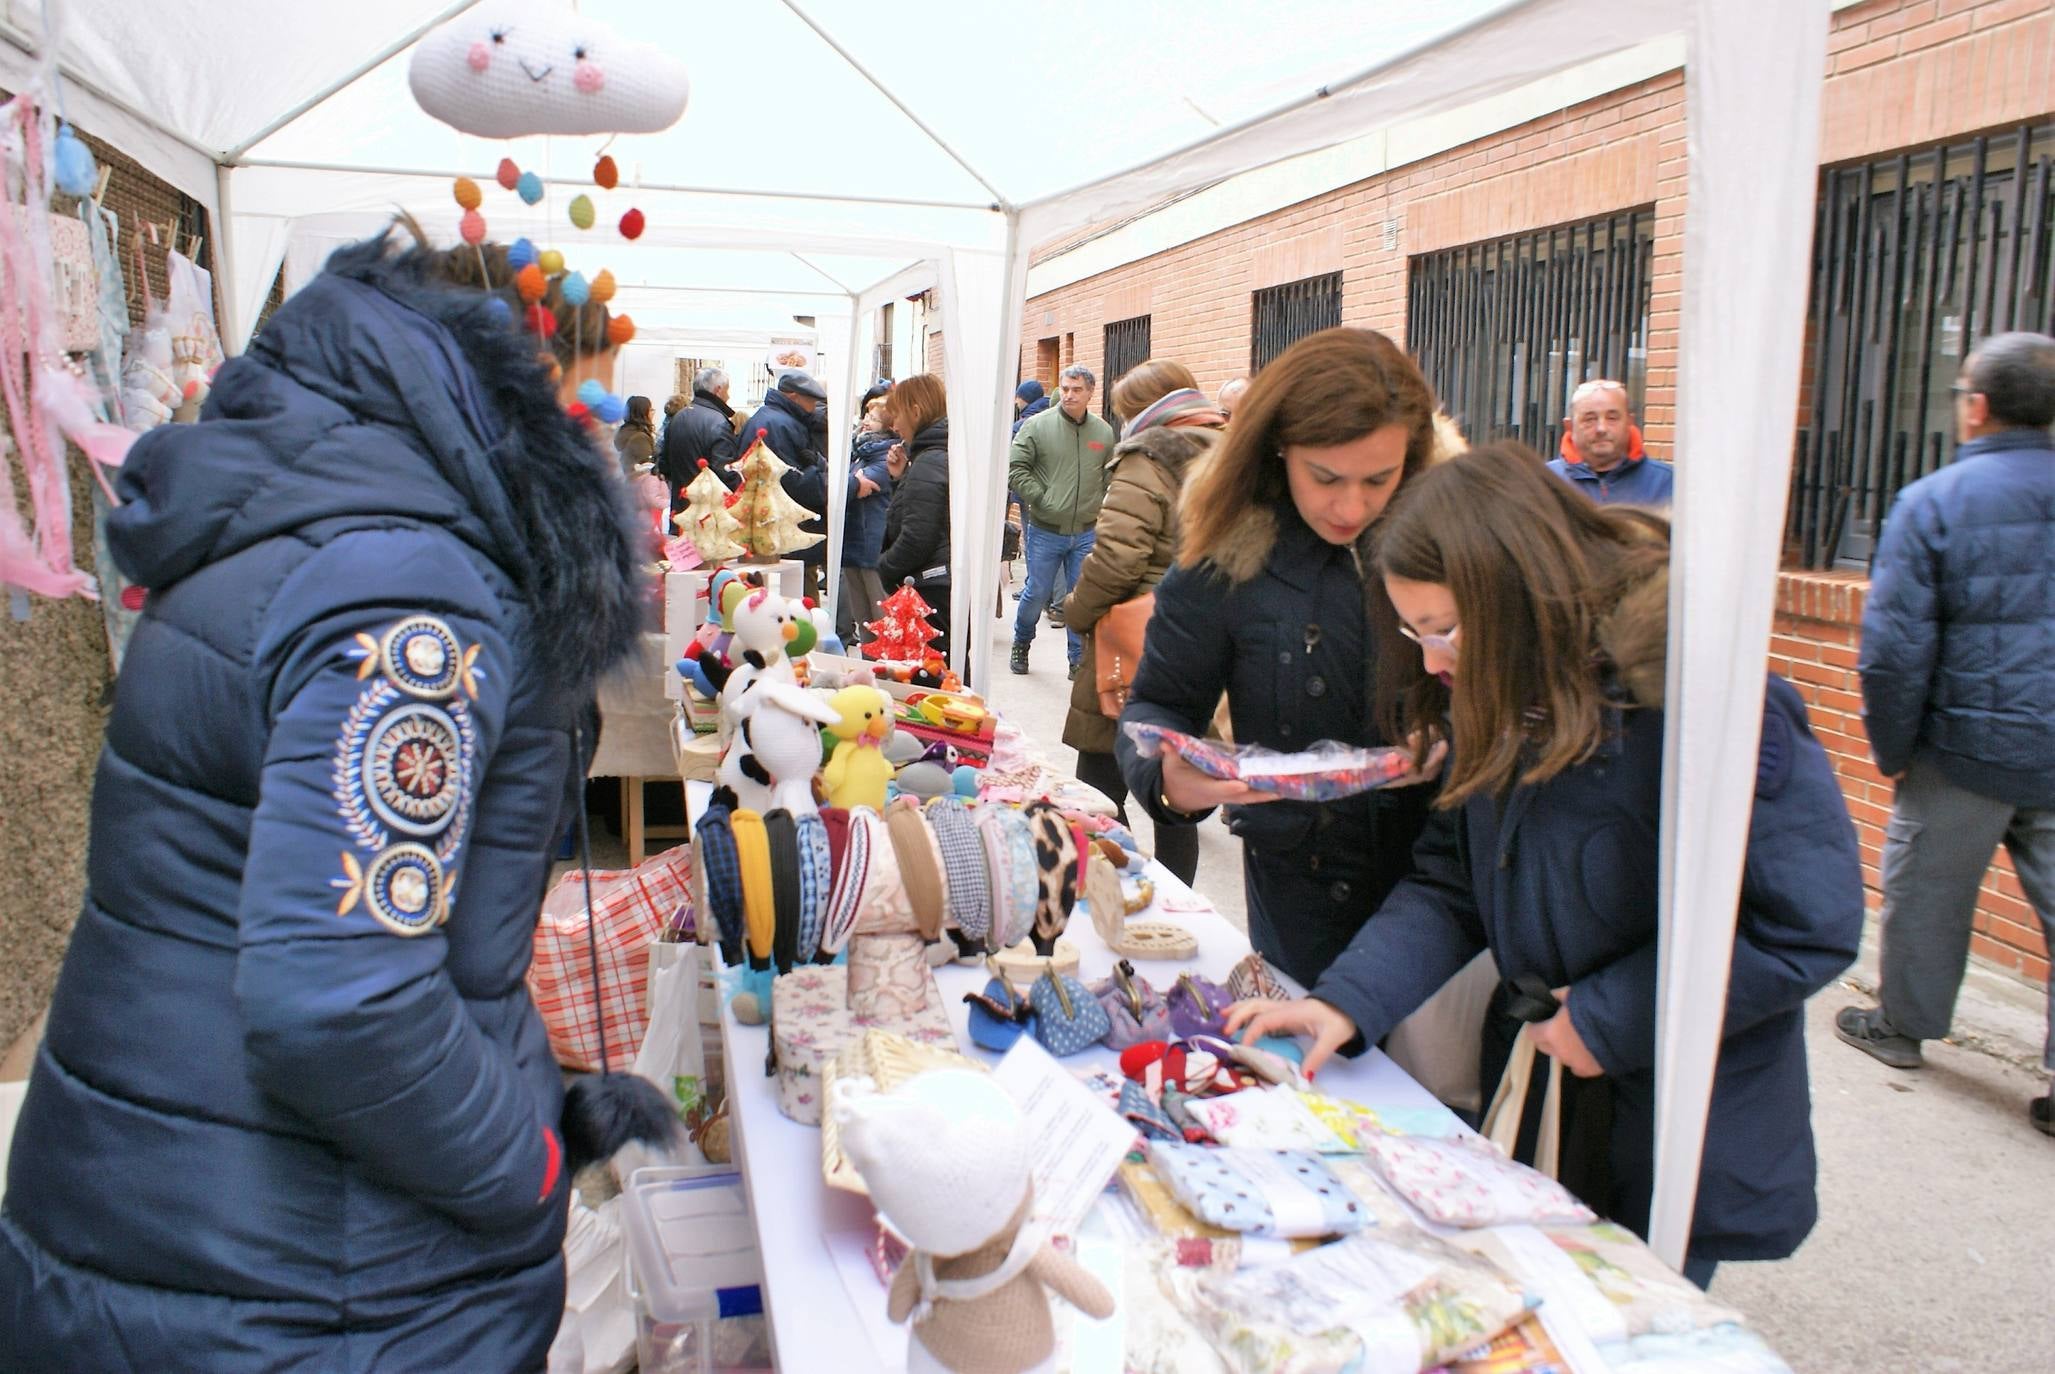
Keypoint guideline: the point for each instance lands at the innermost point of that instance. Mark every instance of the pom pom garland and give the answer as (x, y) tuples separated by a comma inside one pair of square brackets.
[(466, 192), (542, 320), (574, 288), (612, 410), (530, 282), (551, 262), (632, 225), (603, 286), (605, 175), (500, 309), (520, 254), (591, 392), (581, 212), (529, 187), (509, 175), (620, 329), (472, 227)]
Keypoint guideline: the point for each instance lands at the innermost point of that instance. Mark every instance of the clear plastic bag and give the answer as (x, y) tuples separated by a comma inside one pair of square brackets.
[(1328, 771)]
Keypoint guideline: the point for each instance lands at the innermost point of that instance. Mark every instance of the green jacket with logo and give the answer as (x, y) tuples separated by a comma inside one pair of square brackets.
[(1058, 468)]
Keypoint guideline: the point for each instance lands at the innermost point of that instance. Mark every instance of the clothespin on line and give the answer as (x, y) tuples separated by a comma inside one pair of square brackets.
[(100, 190)]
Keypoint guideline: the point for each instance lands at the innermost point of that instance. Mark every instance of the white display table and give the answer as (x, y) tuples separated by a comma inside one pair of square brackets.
[(814, 1322)]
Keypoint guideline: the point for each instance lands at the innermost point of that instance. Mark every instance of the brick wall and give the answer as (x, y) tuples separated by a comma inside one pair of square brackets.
[(1814, 644)]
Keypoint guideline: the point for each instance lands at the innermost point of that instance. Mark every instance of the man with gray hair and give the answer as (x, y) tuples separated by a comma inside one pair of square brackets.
[(1231, 396), (705, 429), (1601, 453), (1058, 467), (1958, 696)]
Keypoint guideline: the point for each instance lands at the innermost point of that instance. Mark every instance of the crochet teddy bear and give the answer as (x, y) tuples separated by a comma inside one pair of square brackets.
[(945, 1156)]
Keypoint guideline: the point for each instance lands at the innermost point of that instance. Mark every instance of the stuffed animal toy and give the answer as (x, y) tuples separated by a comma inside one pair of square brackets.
[(858, 772), (946, 1157), (777, 748), (925, 780), (510, 68), (765, 625)]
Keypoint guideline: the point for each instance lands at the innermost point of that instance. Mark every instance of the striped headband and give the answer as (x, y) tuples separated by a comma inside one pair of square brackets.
[(723, 876), (816, 876), (852, 872)]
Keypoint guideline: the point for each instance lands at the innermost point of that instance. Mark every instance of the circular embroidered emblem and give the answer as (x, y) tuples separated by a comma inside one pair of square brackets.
[(405, 891), (421, 657), (413, 773)]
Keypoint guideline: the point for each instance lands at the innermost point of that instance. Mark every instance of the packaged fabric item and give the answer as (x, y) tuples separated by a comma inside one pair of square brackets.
[(1259, 1192), (1722, 1350), (1378, 1302), (1526, 1348), (1136, 1010), (630, 910), (1355, 1122), (1650, 1297), (1068, 1019), (1147, 1114), (1267, 1119), (1466, 1181), (1326, 772), (811, 1023)]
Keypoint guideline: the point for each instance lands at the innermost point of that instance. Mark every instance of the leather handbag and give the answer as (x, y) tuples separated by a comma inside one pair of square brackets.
[(1117, 650)]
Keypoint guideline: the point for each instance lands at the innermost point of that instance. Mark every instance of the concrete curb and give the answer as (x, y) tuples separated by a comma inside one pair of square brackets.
[(1997, 1013)]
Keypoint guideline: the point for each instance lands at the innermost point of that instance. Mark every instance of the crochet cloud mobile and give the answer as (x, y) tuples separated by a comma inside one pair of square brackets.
[(510, 68)]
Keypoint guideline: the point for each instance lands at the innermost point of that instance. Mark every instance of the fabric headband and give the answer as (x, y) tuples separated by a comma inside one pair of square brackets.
[(816, 876), (852, 870), (1010, 854), (781, 835), (723, 871), (963, 865), (884, 908), (920, 863), (1056, 866), (759, 905)]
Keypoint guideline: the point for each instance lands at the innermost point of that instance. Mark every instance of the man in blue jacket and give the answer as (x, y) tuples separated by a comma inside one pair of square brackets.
[(1602, 455), (1958, 686)]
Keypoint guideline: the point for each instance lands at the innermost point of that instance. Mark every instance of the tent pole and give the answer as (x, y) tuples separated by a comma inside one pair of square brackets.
[(898, 104), (838, 467), (386, 54), (840, 285), (225, 261)]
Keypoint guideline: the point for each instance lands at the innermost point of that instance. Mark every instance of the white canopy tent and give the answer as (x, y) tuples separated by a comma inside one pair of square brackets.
[(837, 155)]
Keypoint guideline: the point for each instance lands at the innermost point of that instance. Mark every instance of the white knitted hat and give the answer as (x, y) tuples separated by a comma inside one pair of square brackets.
[(944, 1155)]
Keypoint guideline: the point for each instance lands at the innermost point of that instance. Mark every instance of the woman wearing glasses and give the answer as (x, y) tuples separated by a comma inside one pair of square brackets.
[(1541, 625), (1269, 602)]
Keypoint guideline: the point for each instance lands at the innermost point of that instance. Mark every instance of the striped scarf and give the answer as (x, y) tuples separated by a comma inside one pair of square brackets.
[(1181, 407)]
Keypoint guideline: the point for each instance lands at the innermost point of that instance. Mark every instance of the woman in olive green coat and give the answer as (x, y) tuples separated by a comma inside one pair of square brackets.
[(1169, 424)]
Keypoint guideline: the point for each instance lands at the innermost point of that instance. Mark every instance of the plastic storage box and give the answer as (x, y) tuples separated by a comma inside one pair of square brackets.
[(695, 1274)]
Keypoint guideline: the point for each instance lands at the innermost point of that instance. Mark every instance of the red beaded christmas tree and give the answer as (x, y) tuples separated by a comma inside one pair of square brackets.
[(903, 633)]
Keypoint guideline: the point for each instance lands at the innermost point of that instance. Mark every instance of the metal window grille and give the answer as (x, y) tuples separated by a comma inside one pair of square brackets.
[(1127, 347), (881, 358), (1916, 259), (1285, 314), (1506, 330)]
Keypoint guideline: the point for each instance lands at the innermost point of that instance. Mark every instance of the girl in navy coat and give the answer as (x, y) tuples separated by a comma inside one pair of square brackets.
[(1537, 624)]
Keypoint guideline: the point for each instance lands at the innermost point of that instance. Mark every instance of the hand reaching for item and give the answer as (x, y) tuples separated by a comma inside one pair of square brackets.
[(1558, 1039), (1188, 790), (1326, 1026), (1427, 771)]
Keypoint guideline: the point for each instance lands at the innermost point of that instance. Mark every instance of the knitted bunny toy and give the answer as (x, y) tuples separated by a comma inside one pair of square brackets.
[(946, 1158)]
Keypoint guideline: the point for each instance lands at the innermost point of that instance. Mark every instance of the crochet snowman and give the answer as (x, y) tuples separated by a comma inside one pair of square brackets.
[(945, 1156)]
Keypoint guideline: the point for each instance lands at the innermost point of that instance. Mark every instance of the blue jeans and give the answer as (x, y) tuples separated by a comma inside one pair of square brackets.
[(1049, 556)]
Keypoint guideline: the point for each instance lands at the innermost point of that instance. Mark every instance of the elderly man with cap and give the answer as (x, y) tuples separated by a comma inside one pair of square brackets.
[(785, 420)]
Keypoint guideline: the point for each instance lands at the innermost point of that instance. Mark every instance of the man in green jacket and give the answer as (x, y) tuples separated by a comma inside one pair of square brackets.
[(1058, 469)]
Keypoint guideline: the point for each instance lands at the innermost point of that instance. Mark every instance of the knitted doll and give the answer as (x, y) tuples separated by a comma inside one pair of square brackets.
[(945, 1156)]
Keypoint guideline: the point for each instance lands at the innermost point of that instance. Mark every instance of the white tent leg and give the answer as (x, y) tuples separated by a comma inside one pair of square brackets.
[(1753, 119), (845, 337)]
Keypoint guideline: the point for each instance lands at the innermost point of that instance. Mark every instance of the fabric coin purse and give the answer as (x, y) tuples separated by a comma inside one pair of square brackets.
[(1135, 1010), (1251, 978), (1198, 1006), (999, 1016), (1068, 1019)]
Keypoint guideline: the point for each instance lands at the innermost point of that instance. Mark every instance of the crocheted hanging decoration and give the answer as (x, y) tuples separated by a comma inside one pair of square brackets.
[(605, 174), (511, 68), (707, 519), (770, 518), (902, 631), (581, 211)]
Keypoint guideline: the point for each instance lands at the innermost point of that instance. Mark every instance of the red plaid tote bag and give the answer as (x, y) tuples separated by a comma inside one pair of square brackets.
[(630, 912)]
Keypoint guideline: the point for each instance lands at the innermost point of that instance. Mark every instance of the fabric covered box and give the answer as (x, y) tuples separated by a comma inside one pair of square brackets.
[(811, 1023)]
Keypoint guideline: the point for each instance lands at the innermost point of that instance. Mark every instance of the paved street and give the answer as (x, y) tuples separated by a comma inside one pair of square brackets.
[(1935, 1251)]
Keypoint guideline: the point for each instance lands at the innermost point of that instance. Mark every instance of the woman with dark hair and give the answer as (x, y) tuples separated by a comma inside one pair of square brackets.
[(1170, 426), (635, 439), (1537, 624), (917, 522), (1269, 602), (294, 1107)]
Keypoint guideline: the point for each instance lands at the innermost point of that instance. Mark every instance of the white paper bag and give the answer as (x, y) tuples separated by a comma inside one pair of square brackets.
[(673, 1053)]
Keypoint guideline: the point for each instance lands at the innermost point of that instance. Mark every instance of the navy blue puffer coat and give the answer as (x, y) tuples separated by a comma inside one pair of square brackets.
[(1958, 631), (295, 1109), (1558, 880)]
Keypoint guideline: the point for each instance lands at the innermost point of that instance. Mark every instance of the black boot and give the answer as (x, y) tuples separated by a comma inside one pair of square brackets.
[(1019, 660)]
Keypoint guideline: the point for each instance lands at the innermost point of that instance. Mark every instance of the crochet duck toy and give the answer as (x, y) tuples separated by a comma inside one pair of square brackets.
[(946, 1158), (858, 772)]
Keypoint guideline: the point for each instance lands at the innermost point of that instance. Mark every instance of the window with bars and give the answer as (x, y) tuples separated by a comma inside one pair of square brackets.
[(1916, 259), (1506, 330), (881, 358), (1127, 347), (1282, 315)]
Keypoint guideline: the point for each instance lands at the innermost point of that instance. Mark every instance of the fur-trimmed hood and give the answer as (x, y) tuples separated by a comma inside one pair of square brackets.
[(377, 395), (1635, 638)]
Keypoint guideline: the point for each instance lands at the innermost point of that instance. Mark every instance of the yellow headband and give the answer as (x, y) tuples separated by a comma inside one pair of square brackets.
[(759, 905)]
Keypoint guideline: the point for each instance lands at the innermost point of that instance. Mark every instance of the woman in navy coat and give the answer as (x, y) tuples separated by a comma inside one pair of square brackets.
[(295, 1109), (1538, 623)]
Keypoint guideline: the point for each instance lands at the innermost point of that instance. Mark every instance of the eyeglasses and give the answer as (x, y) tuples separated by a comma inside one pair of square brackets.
[(1440, 644)]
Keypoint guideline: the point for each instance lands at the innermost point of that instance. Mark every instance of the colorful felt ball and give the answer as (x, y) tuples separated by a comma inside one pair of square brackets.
[(73, 161), (551, 262), (520, 254), (472, 227), (581, 211), (605, 175), (631, 225), (574, 288), (530, 282), (591, 392), (509, 175), (580, 411), (612, 410), (467, 193), (542, 320), (620, 329), (529, 187), (603, 286), (500, 309)]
